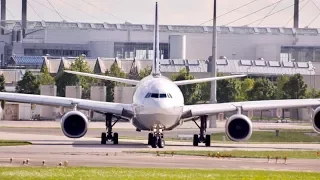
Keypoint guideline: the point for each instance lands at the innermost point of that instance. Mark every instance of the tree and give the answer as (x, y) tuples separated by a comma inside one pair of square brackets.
[(191, 91), (29, 84), (145, 72), (245, 86), (204, 94), (65, 79), (114, 71), (45, 78), (2, 83), (263, 89), (295, 88), (205, 90), (313, 93), (228, 90), (281, 81)]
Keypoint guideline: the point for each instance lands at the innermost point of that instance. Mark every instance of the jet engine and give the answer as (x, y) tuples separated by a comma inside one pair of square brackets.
[(74, 124), (316, 120), (239, 127)]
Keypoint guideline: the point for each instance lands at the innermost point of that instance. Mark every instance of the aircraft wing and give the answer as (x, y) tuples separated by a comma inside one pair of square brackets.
[(98, 106), (120, 80), (194, 81), (210, 109)]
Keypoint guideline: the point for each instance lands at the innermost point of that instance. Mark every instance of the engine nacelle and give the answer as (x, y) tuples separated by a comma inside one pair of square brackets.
[(239, 127), (316, 120), (74, 124)]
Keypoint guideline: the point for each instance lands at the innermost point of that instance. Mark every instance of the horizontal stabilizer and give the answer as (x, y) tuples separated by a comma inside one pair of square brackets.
[(194, 81), (109, 78)]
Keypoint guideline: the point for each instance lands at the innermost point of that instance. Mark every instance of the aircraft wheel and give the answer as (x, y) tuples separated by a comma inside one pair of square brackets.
[(115, 138), (150, 136), (208, 140), (103, 138), (161, 143), (195, 140), (154, 142)]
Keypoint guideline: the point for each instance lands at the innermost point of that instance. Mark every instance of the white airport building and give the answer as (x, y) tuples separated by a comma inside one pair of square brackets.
[(296, 50), (176, 42)]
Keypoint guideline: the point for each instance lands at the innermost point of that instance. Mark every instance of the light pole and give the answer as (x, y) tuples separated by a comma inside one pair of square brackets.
[(213, 93)]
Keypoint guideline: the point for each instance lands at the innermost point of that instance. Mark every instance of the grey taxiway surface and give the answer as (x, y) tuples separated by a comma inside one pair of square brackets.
[(50, 145)]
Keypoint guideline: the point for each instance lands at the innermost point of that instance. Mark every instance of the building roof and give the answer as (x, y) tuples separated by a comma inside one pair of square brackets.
[(125, 64), (103, 64), (261, 67), (142, 64), (35, 25), (66, 62), (257, 67), (52, 63), (26, 61)]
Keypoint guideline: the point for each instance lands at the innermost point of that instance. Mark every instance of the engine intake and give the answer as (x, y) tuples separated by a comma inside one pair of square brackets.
[(316, 120), (239, 127), (74, 124)]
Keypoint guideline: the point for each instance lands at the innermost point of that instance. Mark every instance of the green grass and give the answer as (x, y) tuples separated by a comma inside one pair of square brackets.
[(13, 143), (289, 136), (244, 154), (143, 173)]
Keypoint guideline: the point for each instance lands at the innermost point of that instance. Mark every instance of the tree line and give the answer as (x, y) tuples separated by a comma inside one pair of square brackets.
[(229, 90)]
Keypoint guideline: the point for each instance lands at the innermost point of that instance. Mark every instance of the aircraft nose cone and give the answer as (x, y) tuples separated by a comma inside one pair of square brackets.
[(160, 103)]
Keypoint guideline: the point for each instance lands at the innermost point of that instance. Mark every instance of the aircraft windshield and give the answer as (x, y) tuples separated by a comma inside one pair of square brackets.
[(157, 95)]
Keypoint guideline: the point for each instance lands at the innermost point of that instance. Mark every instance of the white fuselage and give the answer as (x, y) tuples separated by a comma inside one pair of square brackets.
[(157, 101)]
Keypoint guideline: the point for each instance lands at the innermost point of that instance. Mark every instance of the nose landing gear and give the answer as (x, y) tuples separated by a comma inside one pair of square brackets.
[(155, 139)]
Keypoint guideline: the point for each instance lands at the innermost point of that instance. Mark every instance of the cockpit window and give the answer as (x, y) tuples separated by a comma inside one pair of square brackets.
[(156, 95)]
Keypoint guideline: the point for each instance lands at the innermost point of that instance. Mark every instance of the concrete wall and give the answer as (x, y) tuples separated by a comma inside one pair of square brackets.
[(24, 111), (101, 49), (48, 112), (98, 93), (177, 46), (123, 94), (18, 49), (74, 92), (11, 111), (16, 111)]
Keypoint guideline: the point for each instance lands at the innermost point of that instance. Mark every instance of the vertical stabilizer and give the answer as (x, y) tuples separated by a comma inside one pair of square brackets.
[(156, 65)]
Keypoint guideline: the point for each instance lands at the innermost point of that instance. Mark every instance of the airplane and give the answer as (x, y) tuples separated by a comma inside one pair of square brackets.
[(158, 106)]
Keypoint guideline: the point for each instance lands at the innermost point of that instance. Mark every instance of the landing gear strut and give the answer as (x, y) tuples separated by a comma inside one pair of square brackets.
[(202, 137), (155, 139), (109, 136)]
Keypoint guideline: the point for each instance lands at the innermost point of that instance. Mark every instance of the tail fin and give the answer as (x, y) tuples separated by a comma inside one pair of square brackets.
[(156, 65)]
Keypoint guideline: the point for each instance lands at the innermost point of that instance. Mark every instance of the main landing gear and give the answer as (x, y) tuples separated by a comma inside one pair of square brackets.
[(202, 137), (109, 136), (155, 139)]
